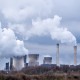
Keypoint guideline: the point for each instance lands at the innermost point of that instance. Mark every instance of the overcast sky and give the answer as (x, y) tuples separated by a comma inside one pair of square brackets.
[(35, 26)]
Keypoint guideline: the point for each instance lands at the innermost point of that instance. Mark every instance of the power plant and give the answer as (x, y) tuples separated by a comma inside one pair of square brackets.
[(47, 60), (33, 59), (19, 62)]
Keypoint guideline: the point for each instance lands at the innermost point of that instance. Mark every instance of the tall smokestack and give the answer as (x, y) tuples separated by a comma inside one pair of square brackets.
[(75, 55), (57, 55)]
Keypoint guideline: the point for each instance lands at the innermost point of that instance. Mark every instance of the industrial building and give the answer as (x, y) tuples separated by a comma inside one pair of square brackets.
[(7, 66), (33, 59), (47, 60), (19, 62)]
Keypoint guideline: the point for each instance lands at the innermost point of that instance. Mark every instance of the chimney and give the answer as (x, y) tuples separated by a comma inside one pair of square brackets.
[(75, 55), (57, 56)]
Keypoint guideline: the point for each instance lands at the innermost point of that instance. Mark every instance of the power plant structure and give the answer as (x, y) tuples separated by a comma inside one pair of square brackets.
[(11, 63), (33, 59), (47, 60), (7, 66), (57, 56), (19, 62), (75, 55)]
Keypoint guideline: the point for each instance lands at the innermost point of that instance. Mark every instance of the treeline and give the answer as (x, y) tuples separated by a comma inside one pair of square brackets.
[(42, 73), (49, 70), (20, 76)]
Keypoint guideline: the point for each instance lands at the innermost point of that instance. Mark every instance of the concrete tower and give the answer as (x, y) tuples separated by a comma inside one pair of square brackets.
[(18, 62), (11, 63), (57, 55), (47, 60), (33, 59), (75, 55)]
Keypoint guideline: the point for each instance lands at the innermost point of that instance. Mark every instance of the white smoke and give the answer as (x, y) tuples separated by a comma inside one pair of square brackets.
[(9, 45), (52, 27), (21, 12)]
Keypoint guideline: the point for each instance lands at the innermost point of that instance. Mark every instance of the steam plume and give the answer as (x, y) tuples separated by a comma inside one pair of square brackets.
[(9, 45), (53, 28)]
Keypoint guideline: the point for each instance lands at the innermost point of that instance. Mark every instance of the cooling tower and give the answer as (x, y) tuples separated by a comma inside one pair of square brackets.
[(75, 55), (57, 55), (18, 62), (33, 59), (47, 60)]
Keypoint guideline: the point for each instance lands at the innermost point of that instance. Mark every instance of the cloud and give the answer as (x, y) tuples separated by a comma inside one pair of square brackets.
[(45, 27), (53, 28), (20, 13), (10, 45), (20, 10)]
